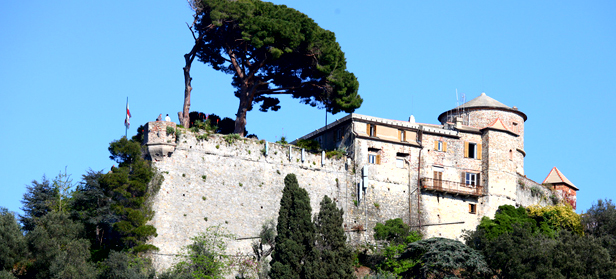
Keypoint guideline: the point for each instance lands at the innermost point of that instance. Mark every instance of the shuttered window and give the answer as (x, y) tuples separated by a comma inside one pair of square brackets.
[(478, 152), (440, 145), (472, 150), (371, 130), (373, 156), (438, 179), (466, 144)]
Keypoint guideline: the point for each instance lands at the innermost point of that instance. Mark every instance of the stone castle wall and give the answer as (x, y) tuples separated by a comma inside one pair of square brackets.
[(214, 182), (220, 181)]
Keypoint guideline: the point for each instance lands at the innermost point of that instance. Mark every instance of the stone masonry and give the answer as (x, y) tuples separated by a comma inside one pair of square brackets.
[(440, 179)]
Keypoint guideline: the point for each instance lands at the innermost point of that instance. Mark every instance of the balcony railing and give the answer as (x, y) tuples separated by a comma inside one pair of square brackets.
[(451, 187)]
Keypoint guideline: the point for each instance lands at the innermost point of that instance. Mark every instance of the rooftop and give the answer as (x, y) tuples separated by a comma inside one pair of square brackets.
[(484, 101), (556, 177)]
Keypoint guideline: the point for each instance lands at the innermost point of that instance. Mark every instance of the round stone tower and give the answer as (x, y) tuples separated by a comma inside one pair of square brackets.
[(482, 111), (502, 134)]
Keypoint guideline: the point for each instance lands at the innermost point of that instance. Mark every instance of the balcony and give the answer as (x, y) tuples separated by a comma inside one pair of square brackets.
[(451, 187)]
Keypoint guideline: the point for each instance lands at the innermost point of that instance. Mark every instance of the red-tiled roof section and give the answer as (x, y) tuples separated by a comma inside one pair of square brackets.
[(497, 124), (556, 177)]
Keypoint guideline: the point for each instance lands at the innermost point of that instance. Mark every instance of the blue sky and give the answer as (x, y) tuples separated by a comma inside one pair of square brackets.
[(67, 67)]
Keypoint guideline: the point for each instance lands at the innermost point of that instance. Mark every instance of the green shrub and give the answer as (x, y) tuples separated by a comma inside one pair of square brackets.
[(307, 144), (231, 138), (170, 130), (535, 191), (178, 133), (338, 153), (283, 141), (395, 231), (206, 257), (444, 258)]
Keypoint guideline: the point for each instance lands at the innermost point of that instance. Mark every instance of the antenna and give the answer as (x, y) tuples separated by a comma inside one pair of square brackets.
[(457, 100)]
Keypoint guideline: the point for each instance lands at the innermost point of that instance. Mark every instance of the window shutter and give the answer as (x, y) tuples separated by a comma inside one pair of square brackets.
[(378, 159), (478, 179), (374, 129), (466, 149), (463, 178), (436, 145), (470, 208), (479, 151), (368, 129), (444, 146)]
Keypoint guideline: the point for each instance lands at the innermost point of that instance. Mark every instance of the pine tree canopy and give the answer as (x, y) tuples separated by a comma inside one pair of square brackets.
[(270, 50)]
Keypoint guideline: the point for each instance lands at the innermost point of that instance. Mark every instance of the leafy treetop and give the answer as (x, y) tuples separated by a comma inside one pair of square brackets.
[(270, 50)]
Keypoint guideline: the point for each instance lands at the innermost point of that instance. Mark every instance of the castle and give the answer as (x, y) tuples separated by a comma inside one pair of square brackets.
[(439, 178)]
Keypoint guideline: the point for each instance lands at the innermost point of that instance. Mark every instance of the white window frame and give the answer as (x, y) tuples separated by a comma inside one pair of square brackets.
[(372, 158), (472, 147), (471, 179), (440, 145)]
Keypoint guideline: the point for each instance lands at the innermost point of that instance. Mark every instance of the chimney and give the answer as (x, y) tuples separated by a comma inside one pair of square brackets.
[(412, 119), (458, 122)]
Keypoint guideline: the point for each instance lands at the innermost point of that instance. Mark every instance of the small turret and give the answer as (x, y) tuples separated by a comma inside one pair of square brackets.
[(565, 189), (160, 139)]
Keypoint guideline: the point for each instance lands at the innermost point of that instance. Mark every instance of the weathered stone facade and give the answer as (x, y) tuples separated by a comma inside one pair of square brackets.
[(440, 179), (234, 184)]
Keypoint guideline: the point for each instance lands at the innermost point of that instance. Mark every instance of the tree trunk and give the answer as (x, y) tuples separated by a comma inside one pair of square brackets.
[(183, 115), (246, 97), (240, 117), (189, 57)]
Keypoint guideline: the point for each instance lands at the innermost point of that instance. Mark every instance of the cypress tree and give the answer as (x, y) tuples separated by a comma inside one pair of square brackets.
[(295, 238), (330, 258)]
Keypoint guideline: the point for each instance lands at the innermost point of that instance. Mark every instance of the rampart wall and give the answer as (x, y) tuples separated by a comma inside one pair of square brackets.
[(216, 182), (237, 183)]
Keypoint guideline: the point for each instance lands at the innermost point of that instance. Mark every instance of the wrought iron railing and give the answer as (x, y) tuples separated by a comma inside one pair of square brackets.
[(451, 187)]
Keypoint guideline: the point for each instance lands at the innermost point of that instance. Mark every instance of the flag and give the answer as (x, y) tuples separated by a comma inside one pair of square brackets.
[(127, 120)]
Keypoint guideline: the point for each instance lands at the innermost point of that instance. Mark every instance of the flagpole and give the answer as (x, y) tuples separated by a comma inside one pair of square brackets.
[(126, 126)]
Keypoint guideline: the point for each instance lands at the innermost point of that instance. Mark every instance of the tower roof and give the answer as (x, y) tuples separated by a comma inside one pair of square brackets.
[(484, 101), (556, 177)]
